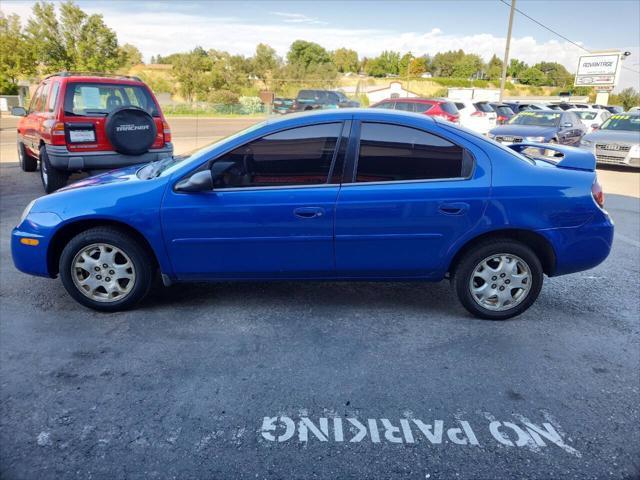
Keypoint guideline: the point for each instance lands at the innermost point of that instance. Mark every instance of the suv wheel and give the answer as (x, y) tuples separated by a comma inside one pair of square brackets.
[(52, 178), (27, 163), (499, 279), (105, 269)]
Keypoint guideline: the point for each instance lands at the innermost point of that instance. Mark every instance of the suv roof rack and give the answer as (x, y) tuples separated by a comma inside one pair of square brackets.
[(93, 74)]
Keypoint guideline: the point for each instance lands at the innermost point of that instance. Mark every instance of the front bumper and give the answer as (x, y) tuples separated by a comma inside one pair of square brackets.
[(34, 259), (62, 159)]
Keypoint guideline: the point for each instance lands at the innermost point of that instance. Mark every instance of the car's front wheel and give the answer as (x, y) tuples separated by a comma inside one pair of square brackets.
[(498, 279), (27, 162), (52, 178), (106, 269)]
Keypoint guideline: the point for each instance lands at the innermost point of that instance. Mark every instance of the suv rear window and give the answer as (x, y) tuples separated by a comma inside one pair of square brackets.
[(450, 108), (86, 99), (484, 107)]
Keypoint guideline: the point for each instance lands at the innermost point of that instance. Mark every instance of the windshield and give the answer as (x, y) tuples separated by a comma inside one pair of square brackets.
[(166, 166), (622, 122), (586, 115), (540, 119), (86, 99)]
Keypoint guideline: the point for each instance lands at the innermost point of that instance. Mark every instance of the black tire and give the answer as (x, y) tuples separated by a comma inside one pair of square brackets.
[(143, 267), (462, 277), (52, 178), (27, 162)]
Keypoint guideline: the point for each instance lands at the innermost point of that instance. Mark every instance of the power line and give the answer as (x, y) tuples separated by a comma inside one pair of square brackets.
[(558, 34)]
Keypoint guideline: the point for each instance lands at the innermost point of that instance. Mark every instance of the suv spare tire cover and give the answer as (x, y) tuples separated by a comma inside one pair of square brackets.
[(130, 130)]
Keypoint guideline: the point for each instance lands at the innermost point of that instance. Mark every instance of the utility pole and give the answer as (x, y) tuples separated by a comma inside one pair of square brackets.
[(503, 79)]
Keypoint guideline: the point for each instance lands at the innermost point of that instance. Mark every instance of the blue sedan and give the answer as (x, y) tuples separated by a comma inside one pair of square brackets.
[(332, 195), (542, 126)]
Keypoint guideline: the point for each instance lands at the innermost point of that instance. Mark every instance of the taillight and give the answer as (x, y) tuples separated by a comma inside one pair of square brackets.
[(166, 130), (478, 113), (501, 119), (598, 194), (56, 129)]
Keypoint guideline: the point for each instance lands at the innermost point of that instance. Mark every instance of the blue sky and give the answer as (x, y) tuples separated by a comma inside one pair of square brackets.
[(369, 27)]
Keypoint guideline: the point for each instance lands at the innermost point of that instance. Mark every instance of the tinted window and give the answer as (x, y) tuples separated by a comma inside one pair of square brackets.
[(101, 98), (460, 106), (385, 105), (622, 122), (484, 107), (450, 108), (404, 106), (422, 107), (393, 153), (299, 156), (504, 111)]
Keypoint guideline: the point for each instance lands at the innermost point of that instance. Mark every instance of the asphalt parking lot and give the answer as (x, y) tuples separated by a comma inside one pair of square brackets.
[(321, 380)]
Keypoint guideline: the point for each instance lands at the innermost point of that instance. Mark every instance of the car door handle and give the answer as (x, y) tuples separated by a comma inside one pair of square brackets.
[(456, 208), (308, 212)]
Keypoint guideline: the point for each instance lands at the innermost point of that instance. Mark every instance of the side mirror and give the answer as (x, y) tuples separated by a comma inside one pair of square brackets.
[(198, 182), (18, 112), (567, 124)]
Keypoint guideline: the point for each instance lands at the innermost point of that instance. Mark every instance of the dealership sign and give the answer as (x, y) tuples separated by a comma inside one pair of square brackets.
[(598, 70)]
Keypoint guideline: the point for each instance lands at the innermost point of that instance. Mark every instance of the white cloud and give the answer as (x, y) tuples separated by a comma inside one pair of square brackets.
[(163, 33)]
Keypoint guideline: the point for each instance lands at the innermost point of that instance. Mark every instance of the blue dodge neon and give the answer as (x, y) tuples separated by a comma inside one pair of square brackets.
[(332, 195)]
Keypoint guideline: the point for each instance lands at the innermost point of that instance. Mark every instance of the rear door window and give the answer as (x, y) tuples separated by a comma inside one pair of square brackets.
[(53, 96), (391, 153), (404, 106)]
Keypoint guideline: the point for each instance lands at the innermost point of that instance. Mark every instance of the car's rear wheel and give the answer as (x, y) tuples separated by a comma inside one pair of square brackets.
[(498, 279), (27, 162), (52, 178), (106, 269)]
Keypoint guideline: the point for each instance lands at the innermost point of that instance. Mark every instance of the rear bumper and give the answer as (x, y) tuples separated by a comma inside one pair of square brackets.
[(62, 159), (583, 247)]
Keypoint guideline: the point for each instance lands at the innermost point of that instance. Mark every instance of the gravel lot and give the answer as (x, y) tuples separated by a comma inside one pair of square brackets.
[(321, 380)]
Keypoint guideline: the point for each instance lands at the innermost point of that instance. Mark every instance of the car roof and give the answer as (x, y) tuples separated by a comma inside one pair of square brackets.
[(415, 100), (342, 114)]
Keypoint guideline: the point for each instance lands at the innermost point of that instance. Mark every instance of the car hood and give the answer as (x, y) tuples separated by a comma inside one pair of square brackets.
[(114, 176), (524, 131), (622, 136)]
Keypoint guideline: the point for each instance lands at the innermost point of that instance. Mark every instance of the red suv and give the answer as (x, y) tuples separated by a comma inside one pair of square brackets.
[(434, 107), (89, 122)]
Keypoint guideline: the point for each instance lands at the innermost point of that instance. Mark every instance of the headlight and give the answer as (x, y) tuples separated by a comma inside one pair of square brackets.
[(634, 151), (586, 143), (26, 211), (535, 139)]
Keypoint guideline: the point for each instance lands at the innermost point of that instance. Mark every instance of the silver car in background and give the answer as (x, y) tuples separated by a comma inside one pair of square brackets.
[(617, 141)]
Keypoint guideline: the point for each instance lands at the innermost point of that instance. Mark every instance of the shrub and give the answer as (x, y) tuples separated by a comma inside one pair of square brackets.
[(222, 97), (249, 105)]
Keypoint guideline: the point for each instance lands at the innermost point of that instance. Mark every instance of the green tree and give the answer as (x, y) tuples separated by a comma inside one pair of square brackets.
[(129, 55), (466, 66), (443, 63), (75, 41), (494, 68), (403, 64), (556, 74), (305, 53), (264, 62), (388, 63), (16, 56), (345, 60), (628, 98), (191, 71), (516, 67), (533, 76)]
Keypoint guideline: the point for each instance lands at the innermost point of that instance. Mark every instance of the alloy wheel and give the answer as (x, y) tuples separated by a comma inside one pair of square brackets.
[(500, 282)]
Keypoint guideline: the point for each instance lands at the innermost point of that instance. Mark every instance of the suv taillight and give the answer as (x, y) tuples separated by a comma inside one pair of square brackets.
[(598, 194), (166, 130), (57, 132)]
